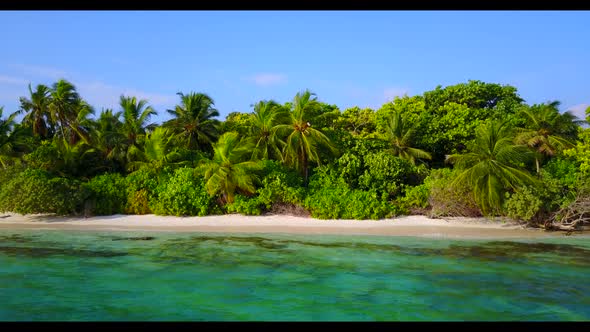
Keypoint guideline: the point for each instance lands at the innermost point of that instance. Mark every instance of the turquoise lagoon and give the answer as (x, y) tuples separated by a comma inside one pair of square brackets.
[(93, 276)]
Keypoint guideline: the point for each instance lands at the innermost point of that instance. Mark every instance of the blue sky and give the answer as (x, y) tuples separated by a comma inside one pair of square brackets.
[(348, 58)]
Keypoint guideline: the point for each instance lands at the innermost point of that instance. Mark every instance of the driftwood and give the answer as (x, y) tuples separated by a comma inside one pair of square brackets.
[(572, 217)]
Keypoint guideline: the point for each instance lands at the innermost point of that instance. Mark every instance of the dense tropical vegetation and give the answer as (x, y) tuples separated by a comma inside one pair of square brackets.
[(470, 149)]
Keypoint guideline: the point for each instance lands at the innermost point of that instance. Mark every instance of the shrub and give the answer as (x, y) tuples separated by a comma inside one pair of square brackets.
[(141, 190), (344, 203), (108, 194), (415, 198), (36, 191), (387, 174), (250, 206), (448, 199), (329, 197), (280, 185), (524, 204), (183, 194)]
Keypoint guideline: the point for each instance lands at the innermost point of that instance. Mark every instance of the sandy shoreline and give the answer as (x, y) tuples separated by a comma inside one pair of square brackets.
[(402, 226)]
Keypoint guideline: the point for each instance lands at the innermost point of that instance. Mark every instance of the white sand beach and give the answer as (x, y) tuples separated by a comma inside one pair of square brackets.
[(402, 226)]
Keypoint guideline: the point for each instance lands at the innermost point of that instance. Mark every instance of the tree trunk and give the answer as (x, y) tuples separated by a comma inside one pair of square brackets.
[(305, 169), (537, 163)]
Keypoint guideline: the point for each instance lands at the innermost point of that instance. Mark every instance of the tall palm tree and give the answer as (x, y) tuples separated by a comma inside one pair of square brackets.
[(399, 135), (64, 104), (107, 136), (547, 130), (263, 130), (492, 166), (230, 170), (136, 115), (38, 115), (302, 143), (194, 120), (158, 151)]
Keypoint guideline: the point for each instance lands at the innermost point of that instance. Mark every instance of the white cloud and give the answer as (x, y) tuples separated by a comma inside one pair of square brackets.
[(390, 93), (13, 80), (579, 110), (267, 79), (40, 71)]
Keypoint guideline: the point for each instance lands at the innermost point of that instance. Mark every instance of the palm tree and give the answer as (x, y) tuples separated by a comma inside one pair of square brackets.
[(136, 115), (263, 130), (547, 131), (492, 166), (399, 136), (64, 103), (302, 142), (158, 151), (106, 136), (230, 170), (9, 139), (38, 116), (193, 120), (80, 125)]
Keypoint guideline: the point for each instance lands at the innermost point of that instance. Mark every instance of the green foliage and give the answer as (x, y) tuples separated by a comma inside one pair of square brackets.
[(330, 197), (236, 122), (523, 204), (415, 197), (8, 174), (183, 195), (448, 197), (560, 184), (303, 141), (386, 174), (412, 108), (356, 121), (344, 203), (263, 129), (230, 170), (493, 166), (265, 160), (142, 191), (36, 191), (547, 131), (158, 151), (45, 157), (138, 202), (280, 185), (565, 170), (581, 152), (474, 94), (108, 194), (249, 206), (193, 121)]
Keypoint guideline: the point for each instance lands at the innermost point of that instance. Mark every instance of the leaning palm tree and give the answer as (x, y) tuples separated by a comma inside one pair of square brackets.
[(158, 151), (38, 115), (302, 143), (230, 170), (136, 115), (263, 130), (194, 120), (492, 166), (547, 131), (399, 136), (80, 125)]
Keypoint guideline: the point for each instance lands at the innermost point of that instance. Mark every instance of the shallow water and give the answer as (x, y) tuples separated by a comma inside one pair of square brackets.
[(75, 275)]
